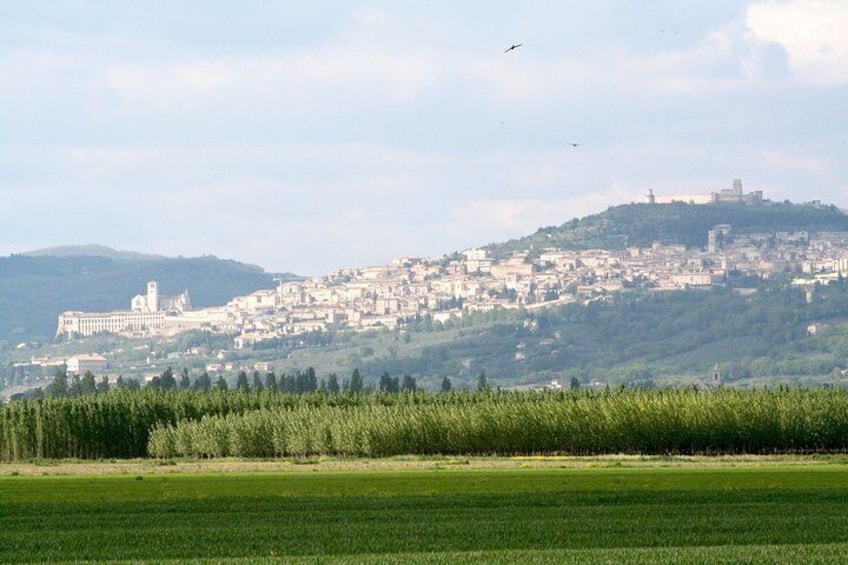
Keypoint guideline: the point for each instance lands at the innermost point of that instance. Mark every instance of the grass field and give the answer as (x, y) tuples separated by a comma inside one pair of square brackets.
[(445, 513)]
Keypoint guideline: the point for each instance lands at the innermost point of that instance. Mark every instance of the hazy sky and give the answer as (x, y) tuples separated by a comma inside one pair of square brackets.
[(307, 136)]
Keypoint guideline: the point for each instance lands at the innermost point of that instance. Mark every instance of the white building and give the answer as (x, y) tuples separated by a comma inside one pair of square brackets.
[(153, 302), (82, 364), (84, 324), (146, 315)]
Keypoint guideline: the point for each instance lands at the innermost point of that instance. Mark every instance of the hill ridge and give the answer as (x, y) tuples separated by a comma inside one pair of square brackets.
[(92, 250), (640, 225)]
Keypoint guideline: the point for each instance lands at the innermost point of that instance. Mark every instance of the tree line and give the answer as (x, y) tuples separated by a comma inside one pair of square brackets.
[(297, 382), (116, 423), (186, 423)]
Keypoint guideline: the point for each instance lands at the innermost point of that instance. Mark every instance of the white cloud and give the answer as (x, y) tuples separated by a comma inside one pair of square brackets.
[(342, 76), (715, 62), (712, 64), (794, 162), (371, 16), (175, 88), (497, 219), (801, 176), (812, 33), (403, 128)]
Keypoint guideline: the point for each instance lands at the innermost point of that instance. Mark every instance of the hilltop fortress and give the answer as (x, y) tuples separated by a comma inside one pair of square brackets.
[(732, 195)]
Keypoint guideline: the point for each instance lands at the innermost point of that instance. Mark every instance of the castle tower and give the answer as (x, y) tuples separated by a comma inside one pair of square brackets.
[(153, 296), (737, 187), (649, 197)]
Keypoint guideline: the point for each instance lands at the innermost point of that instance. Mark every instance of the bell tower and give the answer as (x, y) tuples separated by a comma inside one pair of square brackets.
[(153, 296)]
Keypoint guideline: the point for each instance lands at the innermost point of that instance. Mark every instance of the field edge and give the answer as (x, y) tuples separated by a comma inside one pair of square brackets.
[(141, 467)]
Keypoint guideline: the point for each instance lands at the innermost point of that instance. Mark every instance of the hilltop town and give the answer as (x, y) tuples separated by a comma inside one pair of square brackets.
[(446, 289)]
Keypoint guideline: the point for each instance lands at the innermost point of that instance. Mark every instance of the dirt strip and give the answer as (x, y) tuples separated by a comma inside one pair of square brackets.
[(158, 467)]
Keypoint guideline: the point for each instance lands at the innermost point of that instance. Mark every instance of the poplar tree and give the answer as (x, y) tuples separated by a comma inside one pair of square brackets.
[(271, 382), (241, 382), (446, 384), (167, 381), (59, 387), (203, 382), (185, 381), (257, 382), (356, 382), (408, 384), (88, 385), (332, 384)]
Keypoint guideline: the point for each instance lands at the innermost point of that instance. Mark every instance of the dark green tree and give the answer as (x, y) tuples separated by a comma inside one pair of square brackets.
[(88, 385), (408, 384), (75, 389), (306, 381), (332, 384), (58, 388), (168, 382), (357, 384), (185, 381), (446, 384), (257, 382), (482, 383), (203, 382), (103, 385), (388, 383), (241, 383), (288, 383), (271, 381)]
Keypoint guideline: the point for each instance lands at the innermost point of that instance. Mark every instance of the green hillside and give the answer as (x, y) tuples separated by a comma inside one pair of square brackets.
[(34, 290), (684, 224)]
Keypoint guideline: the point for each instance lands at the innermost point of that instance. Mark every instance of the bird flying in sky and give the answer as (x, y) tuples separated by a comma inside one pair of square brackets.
[(511, 47)]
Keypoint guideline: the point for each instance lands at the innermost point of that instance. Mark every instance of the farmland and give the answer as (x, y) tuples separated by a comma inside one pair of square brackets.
[(432, 511)]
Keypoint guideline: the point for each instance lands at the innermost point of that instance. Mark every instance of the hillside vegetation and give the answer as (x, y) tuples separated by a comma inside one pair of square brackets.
[(684, 224)]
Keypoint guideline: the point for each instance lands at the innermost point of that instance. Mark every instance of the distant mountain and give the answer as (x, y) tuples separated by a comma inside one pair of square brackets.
[(92, 250), (36, 288), (640, 225)]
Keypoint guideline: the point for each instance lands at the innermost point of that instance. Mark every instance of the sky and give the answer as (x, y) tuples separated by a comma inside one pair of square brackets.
[(306, 137)]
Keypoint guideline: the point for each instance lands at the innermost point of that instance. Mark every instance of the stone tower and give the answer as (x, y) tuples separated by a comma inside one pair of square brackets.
[(649, 197), (153, 296)]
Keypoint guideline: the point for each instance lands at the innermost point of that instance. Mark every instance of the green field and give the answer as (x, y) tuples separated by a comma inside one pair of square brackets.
[(444, 514)]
